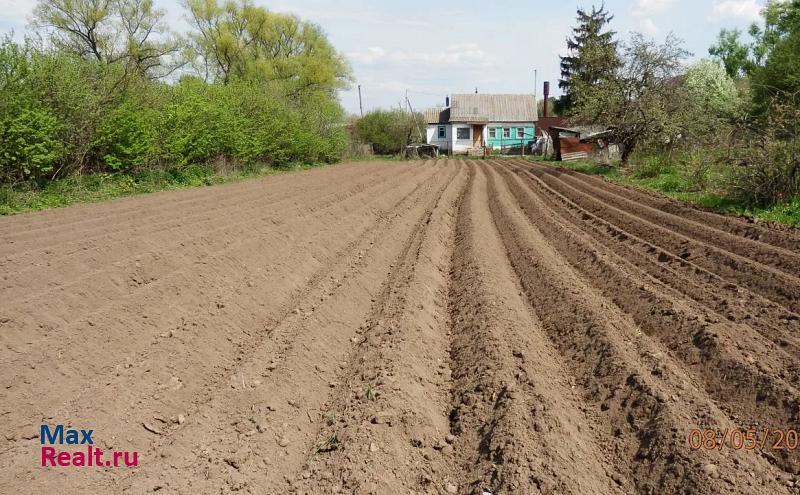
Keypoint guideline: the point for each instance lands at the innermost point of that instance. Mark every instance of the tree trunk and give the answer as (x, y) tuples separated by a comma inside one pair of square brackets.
[(627, 150)]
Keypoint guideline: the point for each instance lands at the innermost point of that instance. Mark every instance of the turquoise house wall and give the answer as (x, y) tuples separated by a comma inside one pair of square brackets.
[(500, 141)]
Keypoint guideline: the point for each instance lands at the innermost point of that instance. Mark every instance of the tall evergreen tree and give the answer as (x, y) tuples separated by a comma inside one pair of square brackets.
[(592, 55)]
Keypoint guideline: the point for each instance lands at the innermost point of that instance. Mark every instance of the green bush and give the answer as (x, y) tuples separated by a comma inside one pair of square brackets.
[(649, 167), (126, 137), (387, 131), (61, 115), (29, 146)]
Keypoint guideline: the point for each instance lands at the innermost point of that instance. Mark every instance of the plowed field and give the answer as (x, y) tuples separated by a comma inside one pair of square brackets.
[(427, 327)]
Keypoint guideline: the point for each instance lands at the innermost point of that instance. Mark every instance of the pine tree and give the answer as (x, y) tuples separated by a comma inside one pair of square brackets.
[(592, 55)]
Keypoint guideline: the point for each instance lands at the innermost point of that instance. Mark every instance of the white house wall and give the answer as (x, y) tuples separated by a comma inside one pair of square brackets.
[(432, 135), (451, 141), (461, 144)]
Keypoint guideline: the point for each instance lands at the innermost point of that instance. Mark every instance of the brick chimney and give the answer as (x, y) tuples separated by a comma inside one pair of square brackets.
[(546, 98)]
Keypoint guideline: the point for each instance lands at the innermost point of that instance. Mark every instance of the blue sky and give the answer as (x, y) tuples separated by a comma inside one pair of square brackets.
[(438, 48)]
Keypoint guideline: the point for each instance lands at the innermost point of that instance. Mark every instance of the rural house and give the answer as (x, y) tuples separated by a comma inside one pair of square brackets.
[(472, 122)]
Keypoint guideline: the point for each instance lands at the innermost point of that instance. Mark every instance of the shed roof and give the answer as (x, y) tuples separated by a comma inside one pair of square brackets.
[(438, 115), (480, 108)]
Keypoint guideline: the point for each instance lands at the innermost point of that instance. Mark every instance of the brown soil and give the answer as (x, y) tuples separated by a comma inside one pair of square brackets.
[(430, 327)]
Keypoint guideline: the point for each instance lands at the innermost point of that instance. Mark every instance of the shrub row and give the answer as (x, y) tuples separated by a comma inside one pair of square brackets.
[(61, 115)]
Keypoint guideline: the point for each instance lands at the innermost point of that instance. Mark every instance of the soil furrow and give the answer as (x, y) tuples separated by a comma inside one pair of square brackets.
[(775, 285), (77, 256), (448, 326), (110, 270), (391, 416), (187, 395), (229, 288), (519, 427), (645, 413), (731, 302), (137, 279), (782, 259), (320, 330), (128, 212), (775, 235), (713, 351)]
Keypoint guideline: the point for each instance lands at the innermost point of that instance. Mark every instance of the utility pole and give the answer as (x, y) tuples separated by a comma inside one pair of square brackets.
[(411, 111), (535, 84), (360, 105)]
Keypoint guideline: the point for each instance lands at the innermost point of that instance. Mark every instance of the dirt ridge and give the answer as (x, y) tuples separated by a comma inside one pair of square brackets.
[(430, 327)]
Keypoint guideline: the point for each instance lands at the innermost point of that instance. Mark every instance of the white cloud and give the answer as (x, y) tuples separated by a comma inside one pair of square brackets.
[(747, 10), (648, 27), (646, 10)]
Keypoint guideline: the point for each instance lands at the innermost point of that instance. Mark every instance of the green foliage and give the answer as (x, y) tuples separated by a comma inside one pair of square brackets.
[(673, 178), (650, 167), (29, 145), (781, 71), (787, 212), (593, 56), (641, 102), (90, 100), (724, 136), (127, 32), (771, 61), (389, 131), (238, 40), (246, 121), (769, 161), (32, 196), (712, 89), (554, 107), (732, 52), (126, 137)]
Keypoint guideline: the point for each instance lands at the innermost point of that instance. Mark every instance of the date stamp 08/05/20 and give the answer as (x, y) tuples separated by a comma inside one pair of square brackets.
[(736, 439)]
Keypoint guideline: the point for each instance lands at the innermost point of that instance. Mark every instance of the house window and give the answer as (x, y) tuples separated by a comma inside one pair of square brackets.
[(463, 133), (506, 133), (442, 132), (492, 132), (520, 133)]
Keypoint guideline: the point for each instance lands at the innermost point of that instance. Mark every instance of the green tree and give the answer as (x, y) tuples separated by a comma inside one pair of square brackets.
[(79, 26), (150, 49), (592, 56), (388, 131), (128, 32), (777, 53), (643, 102), (240, 40), (712, 89), (732, 52)]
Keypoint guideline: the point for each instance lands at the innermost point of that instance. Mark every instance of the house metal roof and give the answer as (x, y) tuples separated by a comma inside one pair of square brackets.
[(493, 108), (438, 115), (480, 108)]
